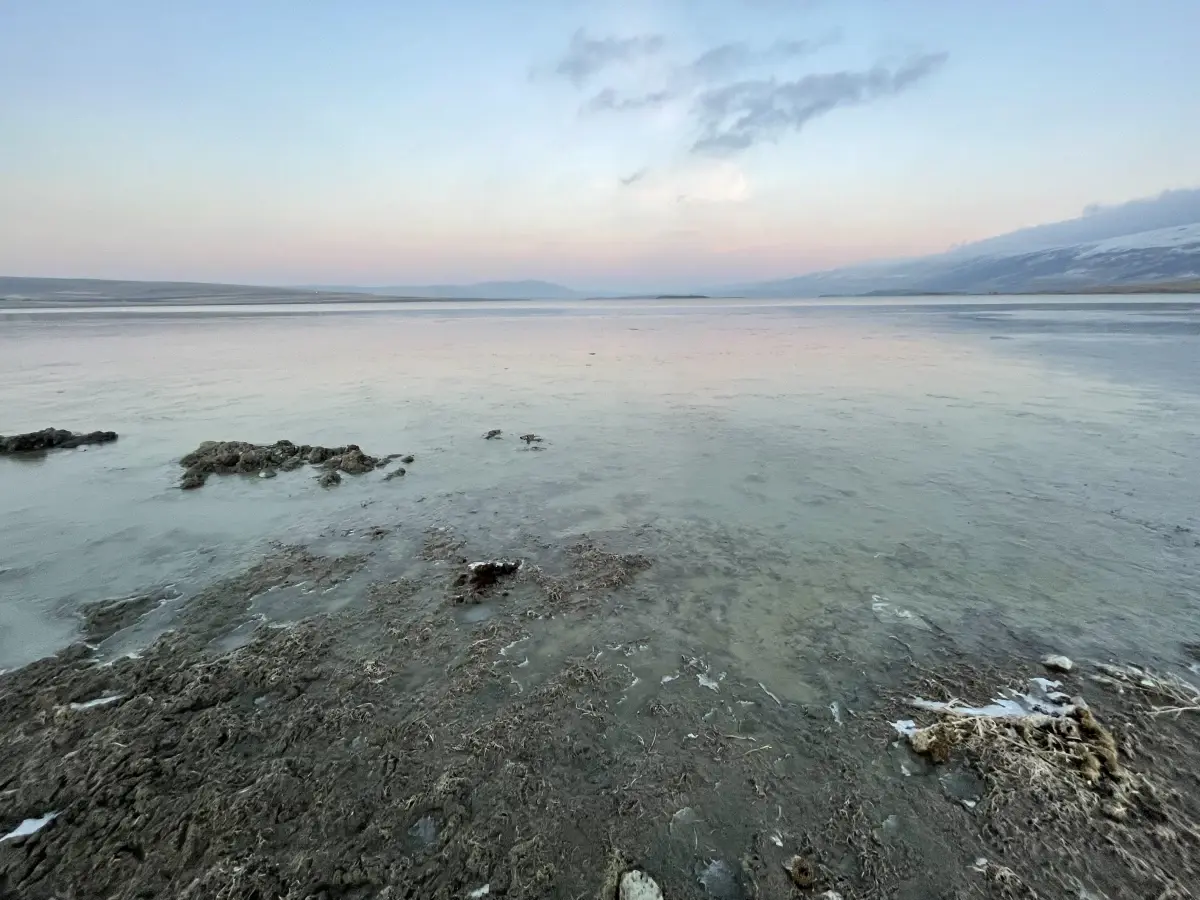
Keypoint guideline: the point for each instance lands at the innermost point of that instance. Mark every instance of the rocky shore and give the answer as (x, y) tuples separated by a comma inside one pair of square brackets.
[(52, 439), (501, 721)]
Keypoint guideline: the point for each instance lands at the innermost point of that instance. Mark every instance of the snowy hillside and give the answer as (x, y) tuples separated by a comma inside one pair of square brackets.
[(1041, 258)]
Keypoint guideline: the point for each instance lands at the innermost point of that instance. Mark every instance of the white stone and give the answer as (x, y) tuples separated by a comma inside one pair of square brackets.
[(1057, 663), (637, 885)]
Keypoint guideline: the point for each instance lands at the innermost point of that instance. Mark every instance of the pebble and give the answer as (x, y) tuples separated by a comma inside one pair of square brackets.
[(638, 885), (1058, 663)]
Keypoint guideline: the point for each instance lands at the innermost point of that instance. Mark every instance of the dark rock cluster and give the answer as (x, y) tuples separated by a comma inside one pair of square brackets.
[(240, 457), (52, 439)]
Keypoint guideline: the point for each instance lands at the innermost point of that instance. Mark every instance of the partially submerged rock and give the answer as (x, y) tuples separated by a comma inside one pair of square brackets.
[(52, 439), (104, 618), (531, 439), (481, 576), (329, 479), (493, 434), (240, 457), (1056, 663)]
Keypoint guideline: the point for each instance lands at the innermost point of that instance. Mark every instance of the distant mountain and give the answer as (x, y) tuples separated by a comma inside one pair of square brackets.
[(1136, 243), (484, 290), (93, 290)]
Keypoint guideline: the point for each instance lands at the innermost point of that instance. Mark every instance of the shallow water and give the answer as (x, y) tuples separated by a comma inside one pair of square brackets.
[(1005, 470)]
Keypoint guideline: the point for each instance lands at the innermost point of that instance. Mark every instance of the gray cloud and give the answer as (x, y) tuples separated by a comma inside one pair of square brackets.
[(634, 177), (608, 100), (726, 59), (713, 65), (736, 116), (588, 55)]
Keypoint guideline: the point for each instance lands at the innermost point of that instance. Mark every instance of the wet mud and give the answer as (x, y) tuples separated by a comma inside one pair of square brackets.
[(544, 740)]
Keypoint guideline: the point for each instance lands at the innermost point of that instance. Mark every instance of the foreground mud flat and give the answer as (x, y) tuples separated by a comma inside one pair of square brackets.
[(502, 723)]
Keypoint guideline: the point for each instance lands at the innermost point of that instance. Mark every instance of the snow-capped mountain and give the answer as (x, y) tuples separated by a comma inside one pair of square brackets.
[(1107, 247)]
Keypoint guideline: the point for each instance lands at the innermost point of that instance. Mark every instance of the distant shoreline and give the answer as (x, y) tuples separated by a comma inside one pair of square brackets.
[(150, 295)]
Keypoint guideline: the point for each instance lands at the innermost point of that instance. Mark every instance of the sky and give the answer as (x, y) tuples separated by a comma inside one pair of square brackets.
[(630, 144)]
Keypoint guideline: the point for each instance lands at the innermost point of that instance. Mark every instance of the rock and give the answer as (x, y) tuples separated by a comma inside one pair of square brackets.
[(493, 434), (355, 462), (395, 473), (482, 575), (250, 461), (531, 439), (104, 618), (637, 885), (266, 460), (1058, 663), (192, 479), (52, 439), (329, 479), (801, 871), (408, 460)]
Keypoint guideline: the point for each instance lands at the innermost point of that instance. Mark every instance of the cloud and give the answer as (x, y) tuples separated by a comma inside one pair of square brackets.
[(710, 66), (738, 115), (726, 59), (609, 100), (586, 56), (634, 177)]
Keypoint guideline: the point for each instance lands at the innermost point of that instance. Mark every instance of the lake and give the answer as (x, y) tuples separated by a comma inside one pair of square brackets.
[(1018, 470)]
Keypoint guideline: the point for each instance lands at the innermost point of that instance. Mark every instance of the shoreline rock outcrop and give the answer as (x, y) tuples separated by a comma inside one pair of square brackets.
[(242, 458), (52, 439)]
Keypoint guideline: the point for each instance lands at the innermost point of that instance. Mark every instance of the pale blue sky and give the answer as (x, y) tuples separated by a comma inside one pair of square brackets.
[(392, 142)]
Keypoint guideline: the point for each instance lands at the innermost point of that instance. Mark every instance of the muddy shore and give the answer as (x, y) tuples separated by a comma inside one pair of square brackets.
[(519, 726)]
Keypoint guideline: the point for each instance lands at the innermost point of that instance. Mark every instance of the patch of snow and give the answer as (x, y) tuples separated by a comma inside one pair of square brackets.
[(667, 679), (30, 826), (1009, 705), (769, 694), (906, 727), (1046, 684), (480, 892), (707, 682), (504, 650), (837, 712), (99, 701), (1159, 238)]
